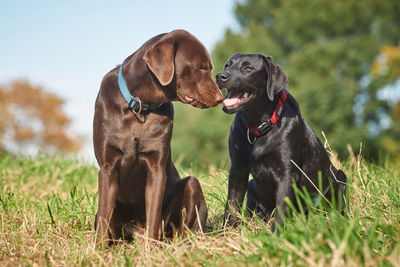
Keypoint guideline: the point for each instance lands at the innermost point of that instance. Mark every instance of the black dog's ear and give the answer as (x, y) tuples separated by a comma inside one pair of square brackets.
[(276, 80)]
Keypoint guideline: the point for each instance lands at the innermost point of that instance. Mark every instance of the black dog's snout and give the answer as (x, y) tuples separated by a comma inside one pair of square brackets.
[(222, 76)]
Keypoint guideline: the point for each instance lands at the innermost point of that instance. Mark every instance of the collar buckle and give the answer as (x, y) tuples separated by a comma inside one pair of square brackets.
[(264, 127), (135, 104)]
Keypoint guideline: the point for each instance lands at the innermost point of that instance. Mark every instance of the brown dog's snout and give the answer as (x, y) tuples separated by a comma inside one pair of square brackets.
[(219, 97), (213, 99), (215, 96)]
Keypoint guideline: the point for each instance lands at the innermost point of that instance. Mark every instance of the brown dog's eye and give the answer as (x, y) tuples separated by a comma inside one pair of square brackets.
[(201, 67)]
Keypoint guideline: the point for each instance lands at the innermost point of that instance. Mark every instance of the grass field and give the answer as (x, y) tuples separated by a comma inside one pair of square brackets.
[(47, 208)]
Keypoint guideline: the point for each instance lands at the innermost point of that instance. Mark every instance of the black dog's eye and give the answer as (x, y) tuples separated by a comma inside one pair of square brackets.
[(246, 66), (228, 64)]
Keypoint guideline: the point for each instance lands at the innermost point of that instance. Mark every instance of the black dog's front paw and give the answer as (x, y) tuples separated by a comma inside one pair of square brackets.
[(230, 220), (275, 229)]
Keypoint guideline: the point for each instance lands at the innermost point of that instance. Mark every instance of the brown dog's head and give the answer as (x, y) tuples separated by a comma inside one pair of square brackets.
[(181, 56)]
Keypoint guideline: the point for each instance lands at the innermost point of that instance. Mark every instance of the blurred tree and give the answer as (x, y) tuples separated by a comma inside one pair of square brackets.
[(200, 137), (386, 69), (327, 49), (33, 117), (389, 140), (387, 65)]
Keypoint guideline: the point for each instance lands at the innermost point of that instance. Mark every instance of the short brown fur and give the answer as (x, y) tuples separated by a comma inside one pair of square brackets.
[(139, 185)]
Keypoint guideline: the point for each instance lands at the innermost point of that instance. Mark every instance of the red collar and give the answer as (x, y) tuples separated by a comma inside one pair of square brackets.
[(265, 127)]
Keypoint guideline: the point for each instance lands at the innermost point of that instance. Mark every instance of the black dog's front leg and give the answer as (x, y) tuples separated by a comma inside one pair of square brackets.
[(284, 193), (237, 185)]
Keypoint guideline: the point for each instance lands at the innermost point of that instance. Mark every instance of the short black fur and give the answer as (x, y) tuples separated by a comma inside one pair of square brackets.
[(254, 83)]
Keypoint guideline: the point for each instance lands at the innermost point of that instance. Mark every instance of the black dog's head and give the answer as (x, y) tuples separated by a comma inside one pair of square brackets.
[(248, 77)]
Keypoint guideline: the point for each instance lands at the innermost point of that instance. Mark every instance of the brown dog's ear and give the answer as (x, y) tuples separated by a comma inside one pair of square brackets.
[(160, 59), (276, 80)]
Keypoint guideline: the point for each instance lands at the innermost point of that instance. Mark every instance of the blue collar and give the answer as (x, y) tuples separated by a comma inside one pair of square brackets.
[(134, 103)]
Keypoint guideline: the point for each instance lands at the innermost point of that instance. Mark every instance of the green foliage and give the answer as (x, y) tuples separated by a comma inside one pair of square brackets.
[(386, 70), (327, 49), (200, 137)]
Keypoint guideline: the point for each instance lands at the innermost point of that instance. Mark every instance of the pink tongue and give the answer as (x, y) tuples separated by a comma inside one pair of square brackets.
[(228, 102)]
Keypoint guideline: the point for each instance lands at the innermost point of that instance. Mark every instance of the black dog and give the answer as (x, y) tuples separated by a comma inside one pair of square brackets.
[(270, 140)]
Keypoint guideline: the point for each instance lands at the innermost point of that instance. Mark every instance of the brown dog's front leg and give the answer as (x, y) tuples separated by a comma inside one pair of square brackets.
[(108, 187), (154, 194)]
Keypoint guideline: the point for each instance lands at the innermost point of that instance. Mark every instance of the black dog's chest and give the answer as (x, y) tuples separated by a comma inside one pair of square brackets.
[(265, 149), (265, 159), (265, 164)]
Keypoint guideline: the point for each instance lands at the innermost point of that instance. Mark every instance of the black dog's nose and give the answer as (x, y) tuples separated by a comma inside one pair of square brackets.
[(222, 76)]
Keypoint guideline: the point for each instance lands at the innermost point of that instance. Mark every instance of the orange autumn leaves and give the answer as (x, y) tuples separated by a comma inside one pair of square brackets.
[(31, 116)]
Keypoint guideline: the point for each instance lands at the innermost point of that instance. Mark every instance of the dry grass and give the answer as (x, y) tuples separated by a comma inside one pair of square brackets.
[(47, 208)]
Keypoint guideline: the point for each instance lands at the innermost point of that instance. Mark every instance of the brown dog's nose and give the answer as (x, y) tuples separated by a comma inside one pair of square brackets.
[(219, 97)]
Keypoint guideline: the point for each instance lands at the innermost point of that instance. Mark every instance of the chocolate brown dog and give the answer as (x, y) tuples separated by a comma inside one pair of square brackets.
[(270, 139), (139, 187)]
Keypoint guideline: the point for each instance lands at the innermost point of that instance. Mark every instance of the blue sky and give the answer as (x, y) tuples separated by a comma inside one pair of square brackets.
[(67, 46)]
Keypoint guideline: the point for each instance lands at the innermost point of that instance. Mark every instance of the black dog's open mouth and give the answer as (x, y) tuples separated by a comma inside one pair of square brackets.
[(234, 100)]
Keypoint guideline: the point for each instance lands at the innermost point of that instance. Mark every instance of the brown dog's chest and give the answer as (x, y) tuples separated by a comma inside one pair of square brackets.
[(133, 183), (142, 143)]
